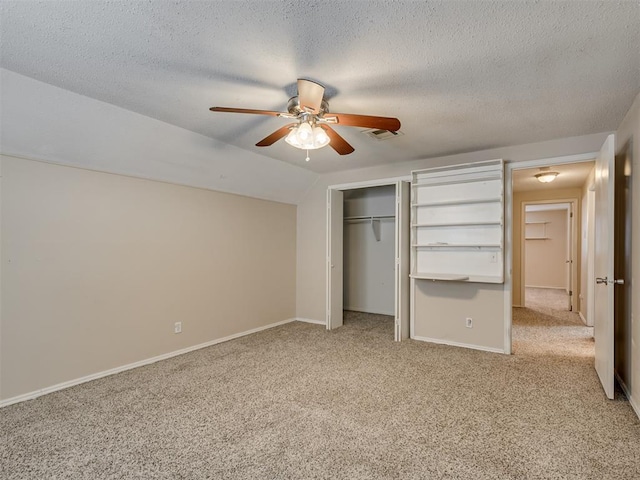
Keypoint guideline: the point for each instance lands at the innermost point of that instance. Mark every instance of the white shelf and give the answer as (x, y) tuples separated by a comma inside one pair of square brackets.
[(457, 227), (457, 181), (444, 203), (537, 238), (452, 277), (536, 223), (440, 276), (456, 245), (458, 224)]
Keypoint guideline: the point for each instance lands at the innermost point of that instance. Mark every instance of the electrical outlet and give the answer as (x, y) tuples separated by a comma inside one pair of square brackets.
[(469, 323), (177, 327)]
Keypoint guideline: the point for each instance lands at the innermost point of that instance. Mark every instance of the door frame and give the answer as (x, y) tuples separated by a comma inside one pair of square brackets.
[(591, 254), (508, 255), (572, 230), (353, 186)]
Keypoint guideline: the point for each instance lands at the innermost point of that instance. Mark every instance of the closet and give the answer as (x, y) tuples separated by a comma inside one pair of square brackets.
[(369, 249), (368, 252)]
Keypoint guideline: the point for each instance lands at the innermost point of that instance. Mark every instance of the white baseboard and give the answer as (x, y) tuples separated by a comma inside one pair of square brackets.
[(363, 310), (626, 391), (550, 288), (310, 320), (113, 371), (582, 318), (518, 306), (458, 344)]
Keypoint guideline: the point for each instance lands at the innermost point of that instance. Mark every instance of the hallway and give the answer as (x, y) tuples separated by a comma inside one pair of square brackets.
[(546, 327)]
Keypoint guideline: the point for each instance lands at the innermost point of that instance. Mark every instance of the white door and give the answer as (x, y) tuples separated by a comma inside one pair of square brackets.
[(603, 291), (403, 213), (334, 258)]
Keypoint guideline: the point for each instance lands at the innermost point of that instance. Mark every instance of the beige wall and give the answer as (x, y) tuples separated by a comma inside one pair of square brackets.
[(545, 259), (521, 198), (96, 268), (628, 334), (442, 307)]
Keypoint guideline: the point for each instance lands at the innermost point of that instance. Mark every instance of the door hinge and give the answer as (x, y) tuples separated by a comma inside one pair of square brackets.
[(571, 293)]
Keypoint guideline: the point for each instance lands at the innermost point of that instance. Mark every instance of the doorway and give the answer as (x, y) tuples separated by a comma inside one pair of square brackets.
[(574, 176), (369, 250), (368, 253), (549, 254)]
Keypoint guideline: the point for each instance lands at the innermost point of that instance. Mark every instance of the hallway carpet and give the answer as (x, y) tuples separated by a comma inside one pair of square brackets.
[(298, 402), (553, 298)]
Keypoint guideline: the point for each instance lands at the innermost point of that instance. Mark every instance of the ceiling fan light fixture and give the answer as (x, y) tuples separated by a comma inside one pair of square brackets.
[(305, 137), (309, 108), (305, 132), (320, 138), (546, 177)]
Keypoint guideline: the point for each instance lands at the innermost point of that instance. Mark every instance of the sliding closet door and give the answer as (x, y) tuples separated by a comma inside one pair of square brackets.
[(403, 221), (334, 258)]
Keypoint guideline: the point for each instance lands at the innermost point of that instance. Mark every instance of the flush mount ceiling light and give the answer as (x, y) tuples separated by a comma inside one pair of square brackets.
[(546, 176)]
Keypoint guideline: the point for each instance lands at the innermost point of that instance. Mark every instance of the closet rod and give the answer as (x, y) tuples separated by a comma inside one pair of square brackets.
[(369, 217)]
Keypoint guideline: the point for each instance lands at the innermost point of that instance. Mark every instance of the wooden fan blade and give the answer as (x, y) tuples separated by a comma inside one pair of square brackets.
[(275, 136), (245, 110), (367, 121), (336, 142), (310, 95)]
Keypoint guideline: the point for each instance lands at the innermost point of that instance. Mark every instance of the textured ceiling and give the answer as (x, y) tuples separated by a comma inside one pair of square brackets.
[(461, 76), (571, 175)]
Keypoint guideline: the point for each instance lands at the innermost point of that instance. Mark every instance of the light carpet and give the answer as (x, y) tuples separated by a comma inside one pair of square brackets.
[(298, 402), (554, 298)]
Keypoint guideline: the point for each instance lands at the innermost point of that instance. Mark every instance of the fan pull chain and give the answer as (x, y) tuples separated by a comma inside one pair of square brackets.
[(307, 159)]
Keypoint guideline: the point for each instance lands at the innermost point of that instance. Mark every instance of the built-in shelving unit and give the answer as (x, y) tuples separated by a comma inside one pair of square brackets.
[(457, 223), (536, 231)]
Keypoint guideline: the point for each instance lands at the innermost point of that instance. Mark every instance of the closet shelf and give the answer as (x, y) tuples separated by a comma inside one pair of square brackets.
[(443, 203), (373, 219), (537, 238), (536, 223)]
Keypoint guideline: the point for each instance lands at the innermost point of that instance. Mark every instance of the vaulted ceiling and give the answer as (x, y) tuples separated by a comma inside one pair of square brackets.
[(461, 76)]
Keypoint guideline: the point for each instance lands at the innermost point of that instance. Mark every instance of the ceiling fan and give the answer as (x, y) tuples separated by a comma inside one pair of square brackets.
[(312, 129)]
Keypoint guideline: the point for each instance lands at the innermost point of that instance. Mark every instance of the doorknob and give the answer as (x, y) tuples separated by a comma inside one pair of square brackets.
[(606, 281)]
